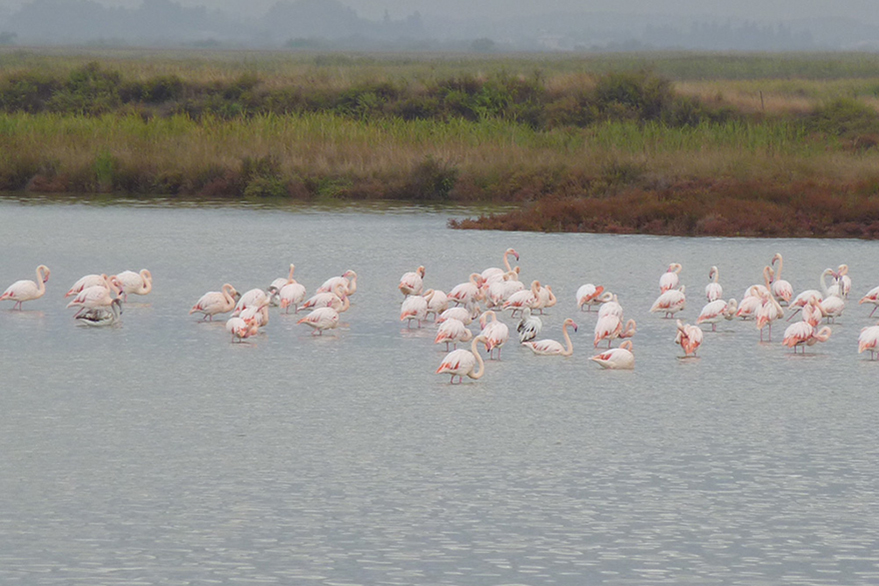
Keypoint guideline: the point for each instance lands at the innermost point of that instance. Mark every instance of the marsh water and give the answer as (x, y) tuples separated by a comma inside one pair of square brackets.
[(159, 452)]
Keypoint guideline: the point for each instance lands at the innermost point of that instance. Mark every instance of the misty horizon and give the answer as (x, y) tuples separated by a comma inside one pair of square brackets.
[(559, 25)]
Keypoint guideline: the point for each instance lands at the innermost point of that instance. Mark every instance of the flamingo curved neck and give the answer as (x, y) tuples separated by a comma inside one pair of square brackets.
[(569, 345), (480, 370)]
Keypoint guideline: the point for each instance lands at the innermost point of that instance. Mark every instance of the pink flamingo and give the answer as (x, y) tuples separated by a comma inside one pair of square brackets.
[(241, 328), (322, 318), (669, 279), (92, 281), (872, 296), (348, 280), (589, 295), (689, 337), (802, 334), (714, 311), (496, 333), (214, 302), (670, 302), (620, 358), (495, 273), (25, 290), (91, 298), (781, 289), (713, 290), (553, 348), (460, 313), (869, 340), (467, 293), (292, 293), (463, 362), (437, 302), (135, 283), (768, 313), (412, 283), (522, 299), (414, 307), (452, 331), (337, 300), (281, 281)]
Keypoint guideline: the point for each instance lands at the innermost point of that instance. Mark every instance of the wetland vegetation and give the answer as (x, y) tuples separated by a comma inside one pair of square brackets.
[(686, 144)]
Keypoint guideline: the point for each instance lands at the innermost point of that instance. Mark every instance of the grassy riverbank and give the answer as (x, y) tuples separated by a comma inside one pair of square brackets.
[(664, 144)]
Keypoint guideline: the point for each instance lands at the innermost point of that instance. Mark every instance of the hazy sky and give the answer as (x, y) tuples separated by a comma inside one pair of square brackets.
[(866, 11)]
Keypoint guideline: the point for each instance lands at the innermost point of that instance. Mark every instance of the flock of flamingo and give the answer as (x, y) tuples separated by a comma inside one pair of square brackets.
[(483, 298)]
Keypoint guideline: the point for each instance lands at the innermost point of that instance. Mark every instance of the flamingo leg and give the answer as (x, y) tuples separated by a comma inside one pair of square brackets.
[(874, 311)]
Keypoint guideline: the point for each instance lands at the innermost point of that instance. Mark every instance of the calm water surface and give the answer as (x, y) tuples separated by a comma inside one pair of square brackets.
[(160, 453)]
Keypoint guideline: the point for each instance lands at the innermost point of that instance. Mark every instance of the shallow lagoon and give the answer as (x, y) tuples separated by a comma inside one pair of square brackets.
[(160, 453)]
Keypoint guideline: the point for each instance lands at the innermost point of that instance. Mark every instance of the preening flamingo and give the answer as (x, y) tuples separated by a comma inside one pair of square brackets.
[(348, 280), (689, 337), (412, 283), (611, 306), (214, 302), (620, 358), (669, 279), (463, 362), (781, 289), (25, 290), (802, 334), (551, 347), (101, 316), (545, 299), (869, 340), (240, 328), (252, 297), (670, 302), (337, 300), (437, 302), (467, 293), (872, 296), (452, 331), (279, 284), (529, 326), (714, 311), (832, 307), (495, 332), (589, 295), (322, 318), (713, 290), (135, 283), (522, 299)]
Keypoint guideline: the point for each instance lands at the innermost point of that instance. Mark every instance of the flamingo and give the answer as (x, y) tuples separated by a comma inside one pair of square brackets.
[(467, 293), (292, 293), (607, 328), (529, 326), (802, 334), (804, 298), (102, 316), (714, 311), (769, 312), (751, 302), (669, 279), (412, 283), (348, 280), (620, 358), (91, 281), (24, 290), (240, 328), (214, 302), (463, 362), (499, 291), (252, 297), (414, 307), (522, 299), (545, 298), (496, 333), (589, 295), (322, 318), (91, 298), (258, 314), (452, 331), (337, 300), (832, 307), (670, 302), (612, 306), (279, 284), (437, 302), (713, 290), (135, 283), (460, 313), (689, 337), (495, 273), (551, 347), (869, 340), (872, 296), (844, 281), (781, 289)]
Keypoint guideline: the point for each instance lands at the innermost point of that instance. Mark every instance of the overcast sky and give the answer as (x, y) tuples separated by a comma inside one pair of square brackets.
[(866, 11)]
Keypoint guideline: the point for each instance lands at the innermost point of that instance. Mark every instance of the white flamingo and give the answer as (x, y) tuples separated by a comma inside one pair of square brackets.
[(713, 290), (214, 302), (552, 347), (462, 363), (620, 358), (135, 283), (25, 290)]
